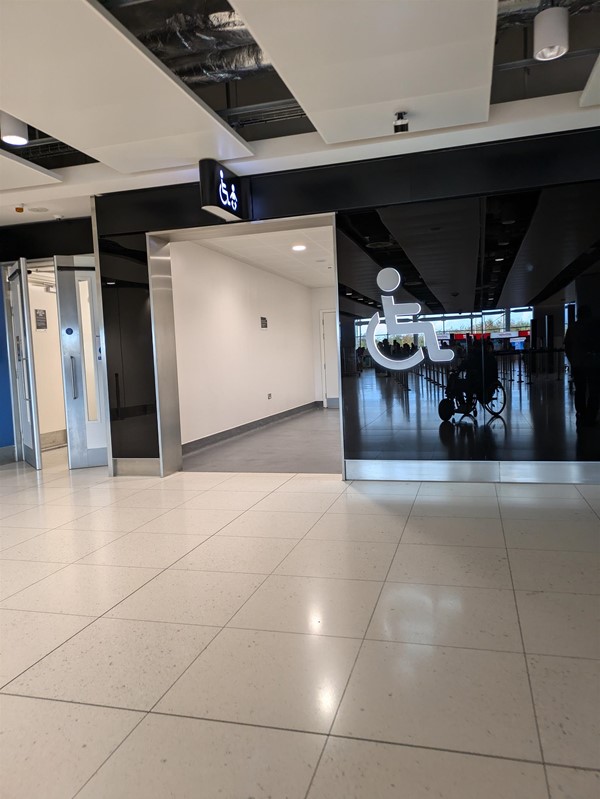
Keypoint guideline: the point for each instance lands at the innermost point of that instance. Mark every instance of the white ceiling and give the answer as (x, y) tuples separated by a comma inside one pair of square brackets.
[(79, 76), (273, 252), (591, 94), (352, 65), (16, 173)]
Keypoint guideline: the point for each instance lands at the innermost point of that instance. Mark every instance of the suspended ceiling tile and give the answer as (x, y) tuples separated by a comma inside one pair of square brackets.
[(87, 82), (353, 64), (591, 93), (17, 173)]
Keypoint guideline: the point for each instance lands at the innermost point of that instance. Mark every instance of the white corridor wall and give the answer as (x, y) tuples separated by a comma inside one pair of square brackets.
[(227, 364)]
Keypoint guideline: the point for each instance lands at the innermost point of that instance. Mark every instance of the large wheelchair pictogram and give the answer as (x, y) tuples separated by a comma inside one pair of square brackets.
[(389, 280)]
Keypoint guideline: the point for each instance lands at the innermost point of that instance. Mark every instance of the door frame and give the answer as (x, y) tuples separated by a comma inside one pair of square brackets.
[(323, 353)]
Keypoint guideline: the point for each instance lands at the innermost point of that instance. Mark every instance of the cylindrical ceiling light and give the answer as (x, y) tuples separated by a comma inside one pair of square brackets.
[(12, 130), (551, 33)]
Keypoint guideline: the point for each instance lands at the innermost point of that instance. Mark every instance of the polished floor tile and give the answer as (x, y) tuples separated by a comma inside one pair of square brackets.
[(11, 509), (365, 770), (295, 501), (271, 524), (225, 500), (477, 507), (110, 518), (259, 609), (11, 536), (116, 662), (451, 565), (189, 597), (51, 749), (480, 618), (576, 572), (60, 546), (350, 560), (310, 605), (382, 504), (570, 783), (548, 534), (560, 624), (461, 699), (379, 528), (26, 637), (15, 575), (226, 554), (266, 678), (453, 531), (189, 522), (188, 758), (567, 701), (78, 589), (150, 550)]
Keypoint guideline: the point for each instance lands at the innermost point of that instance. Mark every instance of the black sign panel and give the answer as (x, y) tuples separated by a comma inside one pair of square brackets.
[(41, 321), (223, 193)]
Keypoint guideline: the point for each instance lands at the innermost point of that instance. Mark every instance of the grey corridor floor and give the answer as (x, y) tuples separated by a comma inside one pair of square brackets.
[(308, 442), (234, 635)]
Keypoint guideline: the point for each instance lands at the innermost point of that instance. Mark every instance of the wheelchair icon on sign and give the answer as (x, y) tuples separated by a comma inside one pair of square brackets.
[(228, 197), (389, 280)]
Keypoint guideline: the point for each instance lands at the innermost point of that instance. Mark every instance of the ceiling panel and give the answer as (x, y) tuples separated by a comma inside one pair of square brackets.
[(314, 267), (565, 224), (16, 173), (442, 240), (86, 81), (352, 65)]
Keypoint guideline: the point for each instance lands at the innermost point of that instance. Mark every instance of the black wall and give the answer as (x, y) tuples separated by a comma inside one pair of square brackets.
[(45, 239)]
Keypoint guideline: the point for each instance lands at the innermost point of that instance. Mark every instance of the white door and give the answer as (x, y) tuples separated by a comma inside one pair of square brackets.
[(83, 361), (22, 345), (330, 359)]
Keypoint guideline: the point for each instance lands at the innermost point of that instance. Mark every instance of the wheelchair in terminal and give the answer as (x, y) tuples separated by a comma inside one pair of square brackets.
[(461, 398)]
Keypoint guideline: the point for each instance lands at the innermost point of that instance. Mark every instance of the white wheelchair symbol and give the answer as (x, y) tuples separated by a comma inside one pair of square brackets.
[(227, 197), (389, 280)]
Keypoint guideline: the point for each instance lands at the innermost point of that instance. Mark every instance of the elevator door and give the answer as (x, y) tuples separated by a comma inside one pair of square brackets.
[(82, 361), (22, 344)]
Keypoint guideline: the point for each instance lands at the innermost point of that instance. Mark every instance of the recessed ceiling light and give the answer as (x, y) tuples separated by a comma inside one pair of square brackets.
[(299, 247), (348, 294), (498, 259), (111, 282), (38, 210)]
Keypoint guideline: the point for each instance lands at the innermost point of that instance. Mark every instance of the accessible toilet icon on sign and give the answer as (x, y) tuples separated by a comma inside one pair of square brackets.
[(389, 280)]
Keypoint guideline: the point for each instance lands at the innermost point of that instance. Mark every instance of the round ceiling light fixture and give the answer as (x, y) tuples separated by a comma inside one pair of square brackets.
[(12, 130), (551, 33), (37, 210), (299, 247)]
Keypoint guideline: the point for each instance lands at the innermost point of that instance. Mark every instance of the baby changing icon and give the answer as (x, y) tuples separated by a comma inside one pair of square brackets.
[(389, 280)]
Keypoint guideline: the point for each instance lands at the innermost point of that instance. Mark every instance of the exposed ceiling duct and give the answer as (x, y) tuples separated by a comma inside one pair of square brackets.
[(203, 42)]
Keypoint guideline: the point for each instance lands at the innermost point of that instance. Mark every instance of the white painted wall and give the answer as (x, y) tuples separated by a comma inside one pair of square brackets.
[(227, 364), (47, 357), (321, 300)]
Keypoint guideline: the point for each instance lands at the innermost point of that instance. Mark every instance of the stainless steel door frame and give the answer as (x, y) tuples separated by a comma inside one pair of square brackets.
[(83, 365), (28, 446)]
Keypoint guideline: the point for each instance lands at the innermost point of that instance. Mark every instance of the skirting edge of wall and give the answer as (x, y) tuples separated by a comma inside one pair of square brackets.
[(53, 440), (200, 443), (7, 454)]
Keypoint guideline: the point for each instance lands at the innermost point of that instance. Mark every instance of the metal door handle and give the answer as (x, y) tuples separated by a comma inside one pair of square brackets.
[(73, 378)]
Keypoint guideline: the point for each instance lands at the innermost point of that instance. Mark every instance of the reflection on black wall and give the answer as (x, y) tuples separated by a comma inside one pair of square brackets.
[(129, 354), (500, 398)]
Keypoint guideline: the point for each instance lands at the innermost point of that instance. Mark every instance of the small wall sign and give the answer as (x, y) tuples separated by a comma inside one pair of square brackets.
[(41, 320), (222, 192), (263, 322)]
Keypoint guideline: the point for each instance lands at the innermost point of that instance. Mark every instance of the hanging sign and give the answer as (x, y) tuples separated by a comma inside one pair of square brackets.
[(222, 193)]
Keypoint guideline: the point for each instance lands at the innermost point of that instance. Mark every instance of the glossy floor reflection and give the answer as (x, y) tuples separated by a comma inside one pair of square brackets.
[(290, 635), (387, 420)]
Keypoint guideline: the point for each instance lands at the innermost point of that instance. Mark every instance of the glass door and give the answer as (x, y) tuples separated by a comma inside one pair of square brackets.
[(82, 361), (22, 345)]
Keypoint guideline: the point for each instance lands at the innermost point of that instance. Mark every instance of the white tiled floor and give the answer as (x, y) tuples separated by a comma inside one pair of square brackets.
[(281, 635)]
